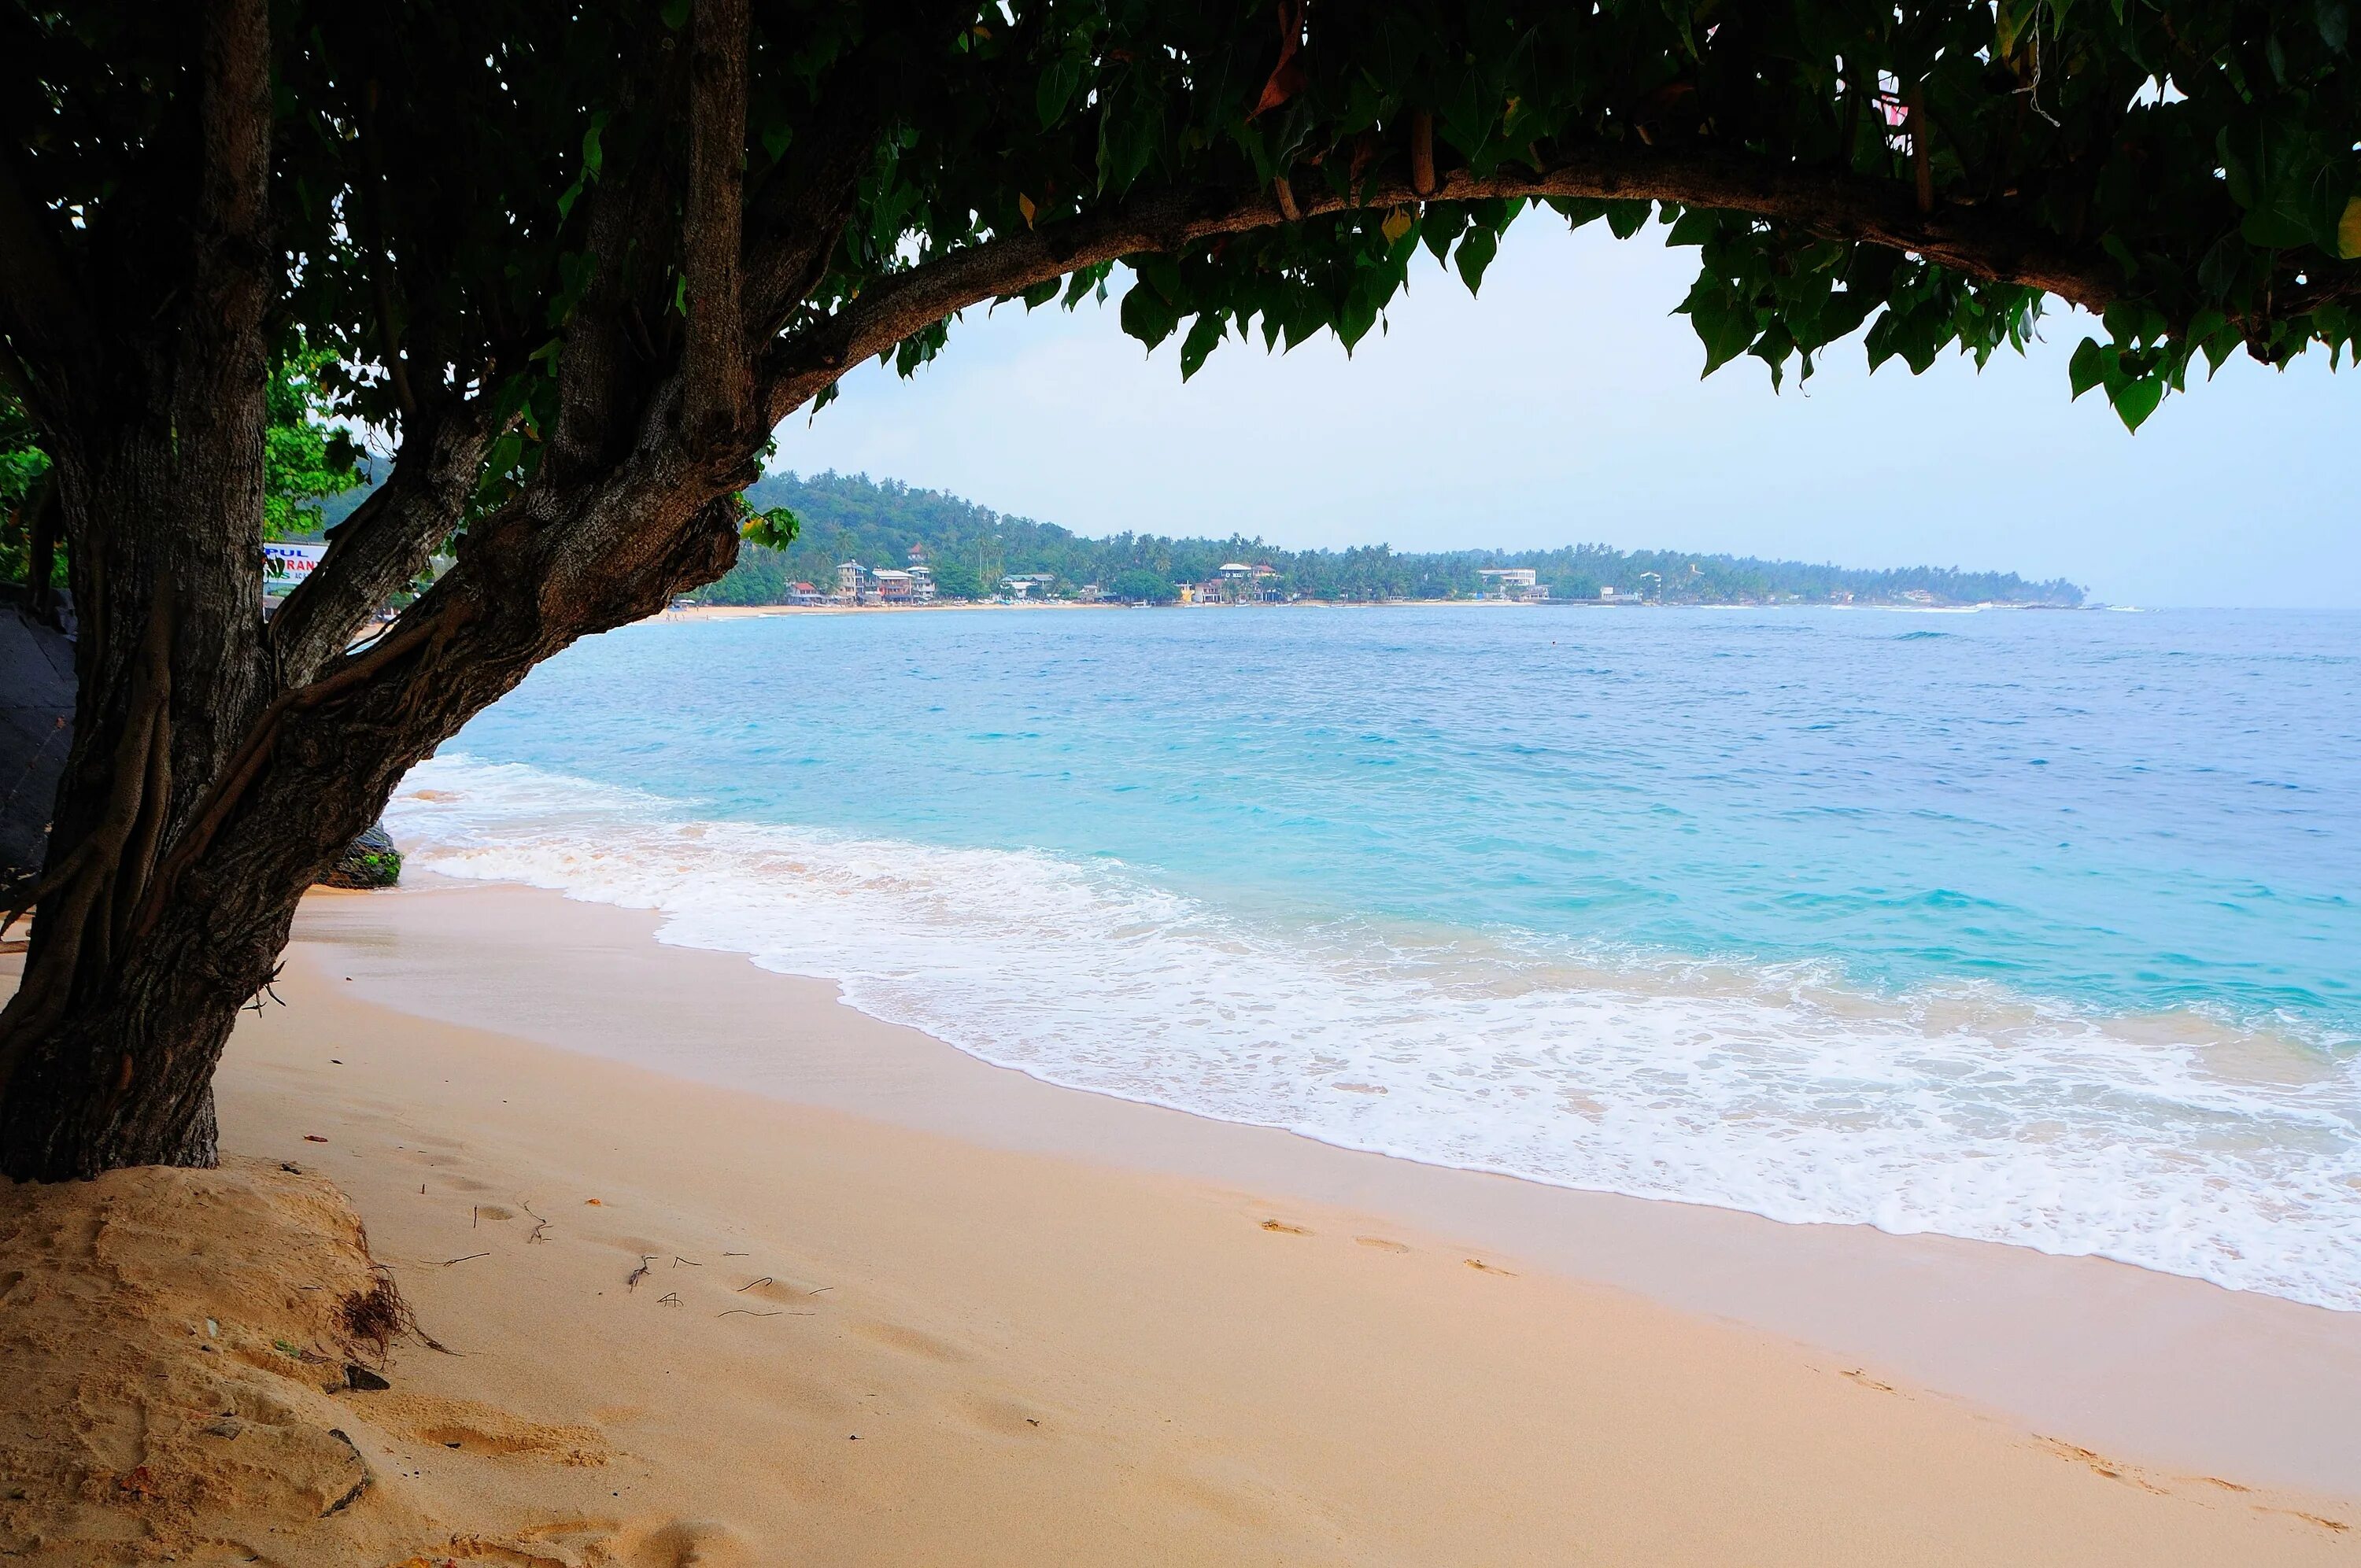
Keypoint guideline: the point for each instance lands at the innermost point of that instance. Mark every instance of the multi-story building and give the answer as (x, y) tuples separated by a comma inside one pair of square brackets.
[(1511, 583)]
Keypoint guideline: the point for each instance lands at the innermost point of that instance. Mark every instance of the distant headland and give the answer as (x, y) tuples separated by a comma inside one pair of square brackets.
[(878, 541)]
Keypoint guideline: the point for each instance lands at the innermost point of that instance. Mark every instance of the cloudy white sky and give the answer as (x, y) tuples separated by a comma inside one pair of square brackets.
[(1564, 406)]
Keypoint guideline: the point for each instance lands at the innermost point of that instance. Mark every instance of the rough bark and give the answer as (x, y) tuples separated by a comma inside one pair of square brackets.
[(101, 1062), (386, 544)]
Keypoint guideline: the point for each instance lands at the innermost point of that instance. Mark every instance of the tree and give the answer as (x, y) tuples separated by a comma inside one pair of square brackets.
[(956, 579), (580, 266), (304, 459), (1143, 587)]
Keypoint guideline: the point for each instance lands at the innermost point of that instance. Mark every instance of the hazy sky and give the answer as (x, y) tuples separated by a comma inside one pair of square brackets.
[(1564, 406)]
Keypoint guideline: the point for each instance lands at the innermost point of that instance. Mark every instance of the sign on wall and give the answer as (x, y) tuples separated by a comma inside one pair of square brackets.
[(284, 566)]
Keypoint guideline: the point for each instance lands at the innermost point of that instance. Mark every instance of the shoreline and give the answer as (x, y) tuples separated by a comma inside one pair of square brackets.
[(764, 611), (893, 1305), (2105, 1354)]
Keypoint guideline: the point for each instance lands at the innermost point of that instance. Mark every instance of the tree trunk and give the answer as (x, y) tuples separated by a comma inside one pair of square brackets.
[(107, 1048), (146, 948)]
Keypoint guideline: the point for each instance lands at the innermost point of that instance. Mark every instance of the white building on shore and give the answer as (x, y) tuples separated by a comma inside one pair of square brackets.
[(1517, 583)]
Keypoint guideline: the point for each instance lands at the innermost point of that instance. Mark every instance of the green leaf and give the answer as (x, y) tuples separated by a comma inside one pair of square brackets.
[(1724, 323), (2012, 19), (1203, 334), (1056, 89), (1147, 315), (1475, 255), (2085, 370), (1579, 210), (2134, 400), (1440, 224), (775, 529), (1695, 226), (1626, 218)]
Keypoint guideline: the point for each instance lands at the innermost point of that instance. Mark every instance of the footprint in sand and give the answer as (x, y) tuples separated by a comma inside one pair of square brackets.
[(673, 1543), (1283, 1228), (474, 1428), (691, 1543), (2335, 1526), (494, 1212), (2098, 1464), (1381, 1244)]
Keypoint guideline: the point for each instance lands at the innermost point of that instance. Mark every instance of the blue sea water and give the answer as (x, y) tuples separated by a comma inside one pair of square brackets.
[(2041, 928)]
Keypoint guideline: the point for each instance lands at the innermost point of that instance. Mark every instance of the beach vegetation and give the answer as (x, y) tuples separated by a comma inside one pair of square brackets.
[(29, 518), (578, 266), (304, 457)]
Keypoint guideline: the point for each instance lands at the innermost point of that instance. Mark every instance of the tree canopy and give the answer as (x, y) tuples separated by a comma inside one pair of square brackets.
[(1921, 176)]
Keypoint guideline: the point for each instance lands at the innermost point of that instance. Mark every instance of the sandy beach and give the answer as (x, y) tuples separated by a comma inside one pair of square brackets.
[(722, 1271)]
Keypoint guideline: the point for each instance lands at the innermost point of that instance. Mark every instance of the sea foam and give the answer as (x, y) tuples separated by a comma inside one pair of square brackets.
[(2175, 1142)]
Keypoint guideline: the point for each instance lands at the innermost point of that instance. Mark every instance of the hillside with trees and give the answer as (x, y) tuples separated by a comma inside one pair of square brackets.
[(970, 548)]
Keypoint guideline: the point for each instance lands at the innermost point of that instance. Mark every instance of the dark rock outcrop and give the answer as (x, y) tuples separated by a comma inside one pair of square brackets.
[(370, 862)]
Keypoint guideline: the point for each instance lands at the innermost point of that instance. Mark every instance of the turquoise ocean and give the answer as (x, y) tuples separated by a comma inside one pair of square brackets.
[(2039, 927)]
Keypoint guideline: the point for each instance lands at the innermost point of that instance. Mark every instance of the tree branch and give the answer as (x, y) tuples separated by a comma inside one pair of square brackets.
[(602, 368), (1996, 246), (234, 123), (386, 543), (716, 370)]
